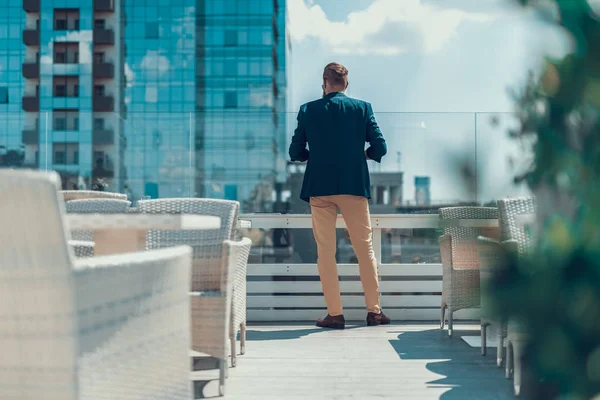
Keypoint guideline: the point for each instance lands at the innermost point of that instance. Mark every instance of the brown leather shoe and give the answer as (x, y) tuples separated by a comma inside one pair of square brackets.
[(337, 322), (377, 319)]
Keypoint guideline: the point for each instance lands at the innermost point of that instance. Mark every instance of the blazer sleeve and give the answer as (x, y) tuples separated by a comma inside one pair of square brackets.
[(378, 147), (298, 150)]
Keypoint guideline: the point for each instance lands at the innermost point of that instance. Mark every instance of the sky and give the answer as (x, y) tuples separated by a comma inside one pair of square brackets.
[(427, 66)]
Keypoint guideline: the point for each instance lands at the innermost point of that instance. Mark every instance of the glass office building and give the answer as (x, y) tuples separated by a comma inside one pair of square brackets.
[(61, 95), (160, 95), (161, 98), (205, 93), (241, 99)]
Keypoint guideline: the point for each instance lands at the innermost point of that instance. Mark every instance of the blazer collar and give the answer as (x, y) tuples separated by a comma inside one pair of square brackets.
[(334, 94)]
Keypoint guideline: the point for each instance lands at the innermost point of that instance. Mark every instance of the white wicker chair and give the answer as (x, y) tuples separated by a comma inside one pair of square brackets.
[(491, 259), (95, 206), (516, 240), (460, 260), (208, 249), (238, 304), (104, 328), (211, 310), (82, 248), (69, 195)]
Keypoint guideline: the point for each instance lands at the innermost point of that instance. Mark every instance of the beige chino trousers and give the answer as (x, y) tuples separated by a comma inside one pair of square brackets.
[(355, 211)]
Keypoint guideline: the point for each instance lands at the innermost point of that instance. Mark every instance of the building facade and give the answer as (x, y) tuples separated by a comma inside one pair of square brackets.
[(207, 96), (70, 88), (422, 190), (162, 98), (241, 98)]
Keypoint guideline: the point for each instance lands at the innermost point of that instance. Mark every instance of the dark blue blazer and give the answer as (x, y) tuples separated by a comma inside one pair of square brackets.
[(336, 129)]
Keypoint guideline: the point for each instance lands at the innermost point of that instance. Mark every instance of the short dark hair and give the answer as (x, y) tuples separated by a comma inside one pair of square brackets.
[(336, 74)]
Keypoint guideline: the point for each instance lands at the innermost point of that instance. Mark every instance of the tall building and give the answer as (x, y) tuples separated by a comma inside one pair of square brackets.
[(422, 190), (207, 96), (165, 98), (160, 95), (241, 84), (70, 88)]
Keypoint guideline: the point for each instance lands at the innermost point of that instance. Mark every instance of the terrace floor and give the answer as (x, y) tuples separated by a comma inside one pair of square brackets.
[(403, 361)]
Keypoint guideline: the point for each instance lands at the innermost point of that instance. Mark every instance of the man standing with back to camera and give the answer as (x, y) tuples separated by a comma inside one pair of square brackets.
[(336, 128)]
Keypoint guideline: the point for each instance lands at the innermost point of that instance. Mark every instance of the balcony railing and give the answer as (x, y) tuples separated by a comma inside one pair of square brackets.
[(32, 6), (104, 5), (31, 70), (292, 292), (31, 37), (104, 103), (103, 137), (104, 36), (31, 103), (104, 70)]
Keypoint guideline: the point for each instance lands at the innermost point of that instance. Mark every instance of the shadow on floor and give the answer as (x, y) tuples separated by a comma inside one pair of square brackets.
[(287, 334), (463, 370)]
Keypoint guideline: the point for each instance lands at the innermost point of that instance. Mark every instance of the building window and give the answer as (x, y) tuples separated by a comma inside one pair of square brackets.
[(230, 192), (76, 157), (66, 19), (60, 124), (60, 157), (99, 159), (66, 53), (151, 30), (99, 123), (76, 90), (98, 58), (231, 99), (99, 90), (230, 68), (99, 24), (60, 57), (60, 24), (60, 91), (230, 38), (3, 95), (76, 124)]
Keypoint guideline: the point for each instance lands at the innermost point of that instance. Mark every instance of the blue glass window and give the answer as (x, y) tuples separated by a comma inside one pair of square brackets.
[(3, 95), (231, 99), (151, 30), (230, 38)]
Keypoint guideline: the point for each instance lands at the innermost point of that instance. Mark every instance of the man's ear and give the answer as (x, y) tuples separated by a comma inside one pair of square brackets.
[(347, 83)]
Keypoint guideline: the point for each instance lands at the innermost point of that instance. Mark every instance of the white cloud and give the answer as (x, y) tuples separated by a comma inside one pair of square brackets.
[(386, 27), (129, 74), (154, 64)]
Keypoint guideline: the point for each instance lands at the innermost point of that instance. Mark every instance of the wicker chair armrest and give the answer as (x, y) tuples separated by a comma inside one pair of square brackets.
[(127, 304)]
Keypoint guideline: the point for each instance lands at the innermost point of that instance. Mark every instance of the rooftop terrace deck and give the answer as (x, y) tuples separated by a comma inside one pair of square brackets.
[(403, 361)]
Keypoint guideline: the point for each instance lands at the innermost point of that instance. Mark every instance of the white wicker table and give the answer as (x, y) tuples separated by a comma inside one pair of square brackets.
[(124, 233)]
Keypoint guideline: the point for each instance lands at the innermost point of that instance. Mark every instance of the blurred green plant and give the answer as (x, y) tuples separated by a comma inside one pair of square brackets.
[(555, 291)]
